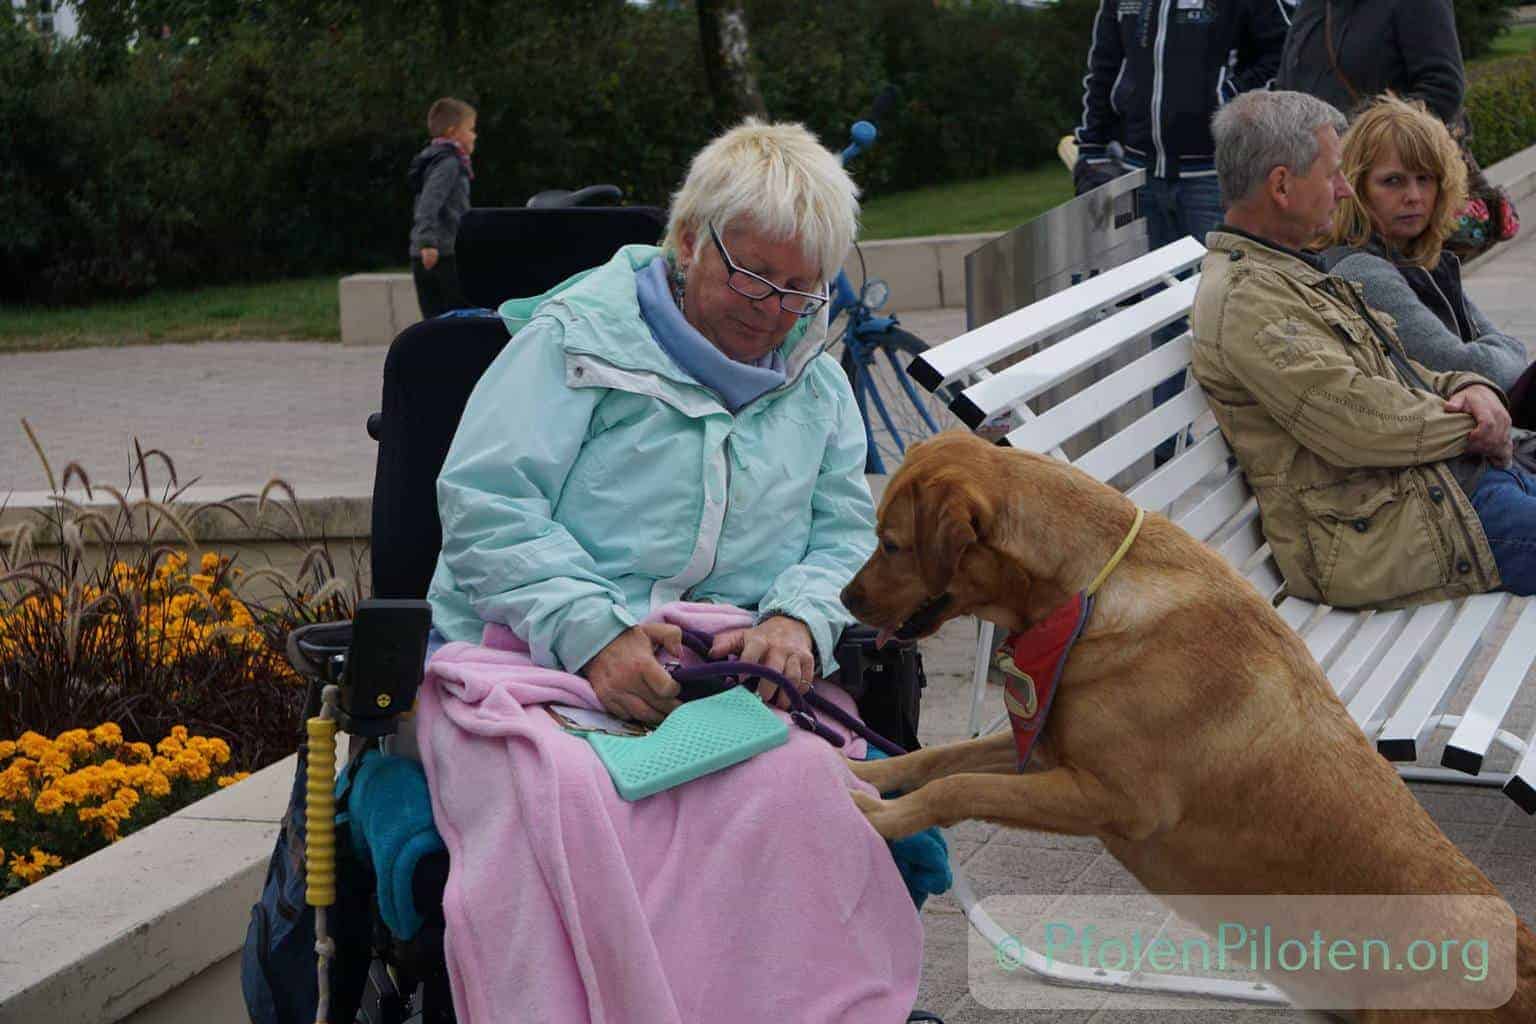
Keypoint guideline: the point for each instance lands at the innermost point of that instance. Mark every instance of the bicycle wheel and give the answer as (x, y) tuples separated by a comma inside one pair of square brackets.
[(897, 411)]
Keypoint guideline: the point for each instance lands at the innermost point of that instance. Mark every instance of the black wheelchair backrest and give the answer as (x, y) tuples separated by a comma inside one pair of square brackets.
[(432, 367), (428, 375), (512, 252)]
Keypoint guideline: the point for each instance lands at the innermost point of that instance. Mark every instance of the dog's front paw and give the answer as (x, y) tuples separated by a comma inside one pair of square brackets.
[(889, 817)]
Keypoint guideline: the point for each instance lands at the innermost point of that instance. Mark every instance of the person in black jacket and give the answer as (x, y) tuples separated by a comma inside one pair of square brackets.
[(1348, 51), (1157, 71)]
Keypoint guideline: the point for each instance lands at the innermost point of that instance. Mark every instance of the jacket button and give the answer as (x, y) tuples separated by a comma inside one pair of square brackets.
[(1463, 566), (1436, 495), (1361, 525)]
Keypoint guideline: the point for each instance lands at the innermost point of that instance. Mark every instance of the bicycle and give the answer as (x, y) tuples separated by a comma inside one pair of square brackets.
[(904, 413)]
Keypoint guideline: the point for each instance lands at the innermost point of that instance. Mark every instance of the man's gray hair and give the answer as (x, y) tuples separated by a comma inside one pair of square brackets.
[(1258, 131)]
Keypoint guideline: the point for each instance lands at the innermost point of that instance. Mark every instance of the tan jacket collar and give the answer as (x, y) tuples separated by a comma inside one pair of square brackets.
[(1304, 267)]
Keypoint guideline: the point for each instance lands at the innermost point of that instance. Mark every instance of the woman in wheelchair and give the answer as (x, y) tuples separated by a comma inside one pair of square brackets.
[(663, 444)]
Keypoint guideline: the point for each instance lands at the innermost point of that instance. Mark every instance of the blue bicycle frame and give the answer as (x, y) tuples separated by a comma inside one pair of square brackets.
[(862, 334)]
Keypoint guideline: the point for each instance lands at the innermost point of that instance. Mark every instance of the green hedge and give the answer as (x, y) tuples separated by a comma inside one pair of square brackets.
[(1501, 101), (279, 147)]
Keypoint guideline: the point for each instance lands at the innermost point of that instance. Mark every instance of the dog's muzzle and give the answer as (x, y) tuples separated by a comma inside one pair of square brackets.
[(919, 622)]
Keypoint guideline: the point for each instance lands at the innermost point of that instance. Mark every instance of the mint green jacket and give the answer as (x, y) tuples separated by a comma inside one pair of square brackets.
[(592, 479)]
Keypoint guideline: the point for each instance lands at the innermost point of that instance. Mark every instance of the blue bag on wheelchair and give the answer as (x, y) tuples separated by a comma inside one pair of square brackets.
[(277, 965)]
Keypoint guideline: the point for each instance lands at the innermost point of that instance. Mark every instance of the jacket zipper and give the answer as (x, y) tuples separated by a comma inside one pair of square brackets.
[(1449, 305)]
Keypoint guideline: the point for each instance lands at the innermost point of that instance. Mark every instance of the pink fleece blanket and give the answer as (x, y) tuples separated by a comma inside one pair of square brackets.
[(757, 893)]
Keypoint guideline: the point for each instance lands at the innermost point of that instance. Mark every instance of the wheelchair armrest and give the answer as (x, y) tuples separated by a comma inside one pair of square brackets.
[(312, 649)]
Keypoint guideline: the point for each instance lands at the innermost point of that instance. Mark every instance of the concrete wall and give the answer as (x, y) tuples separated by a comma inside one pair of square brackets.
[(924, 273)]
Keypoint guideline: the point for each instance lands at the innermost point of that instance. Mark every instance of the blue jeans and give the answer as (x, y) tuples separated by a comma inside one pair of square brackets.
[(1505, 500), (1175, 208)]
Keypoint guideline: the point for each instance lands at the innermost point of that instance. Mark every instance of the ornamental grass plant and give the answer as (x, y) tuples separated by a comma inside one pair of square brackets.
[(143, 633)]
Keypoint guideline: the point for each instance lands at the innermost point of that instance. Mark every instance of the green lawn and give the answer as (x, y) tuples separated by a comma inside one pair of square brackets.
[(1518, 40), (293, 309), (988, 204)]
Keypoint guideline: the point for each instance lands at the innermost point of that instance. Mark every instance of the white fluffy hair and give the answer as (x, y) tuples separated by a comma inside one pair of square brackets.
[(780, 178)]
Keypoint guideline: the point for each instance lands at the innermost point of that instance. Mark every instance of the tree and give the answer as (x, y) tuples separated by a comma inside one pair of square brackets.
[(728, 61)]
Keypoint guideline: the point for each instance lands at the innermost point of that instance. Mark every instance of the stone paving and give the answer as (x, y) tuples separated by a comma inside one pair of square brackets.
[(237, 413)]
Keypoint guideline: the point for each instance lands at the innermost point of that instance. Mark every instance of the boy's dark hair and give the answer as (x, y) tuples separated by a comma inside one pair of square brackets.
[(447, 113)]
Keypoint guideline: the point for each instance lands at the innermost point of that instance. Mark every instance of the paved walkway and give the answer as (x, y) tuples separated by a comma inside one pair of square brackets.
[(237, 413)]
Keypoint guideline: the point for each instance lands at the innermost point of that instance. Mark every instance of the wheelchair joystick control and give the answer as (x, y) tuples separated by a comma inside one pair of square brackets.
[(384, 664)]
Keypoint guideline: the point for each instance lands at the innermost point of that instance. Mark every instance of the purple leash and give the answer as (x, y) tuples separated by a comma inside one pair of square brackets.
[(803, 707)]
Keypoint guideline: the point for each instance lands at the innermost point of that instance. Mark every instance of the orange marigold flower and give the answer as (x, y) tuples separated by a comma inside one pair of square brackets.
[(108, 734), (140, 750), (191, 765), (210, 562), (179, 732), (77, 742), (7, 749), (170, 746), (33, 745), (49, 801), (158, 785), (225, 781)]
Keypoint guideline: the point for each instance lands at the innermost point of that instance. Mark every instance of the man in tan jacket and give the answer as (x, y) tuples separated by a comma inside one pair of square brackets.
[(1379, 482)]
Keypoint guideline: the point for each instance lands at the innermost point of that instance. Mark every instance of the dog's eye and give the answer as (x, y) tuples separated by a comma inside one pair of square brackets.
[(889, 547)]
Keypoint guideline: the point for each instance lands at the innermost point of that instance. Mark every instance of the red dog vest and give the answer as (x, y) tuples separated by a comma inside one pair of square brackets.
[(1033, 661)]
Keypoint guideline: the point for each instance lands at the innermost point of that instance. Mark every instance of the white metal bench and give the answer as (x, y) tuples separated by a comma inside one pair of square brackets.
[(1399, 672)]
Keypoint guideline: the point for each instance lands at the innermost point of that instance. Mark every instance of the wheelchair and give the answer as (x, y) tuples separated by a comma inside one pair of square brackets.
[(376, 661)]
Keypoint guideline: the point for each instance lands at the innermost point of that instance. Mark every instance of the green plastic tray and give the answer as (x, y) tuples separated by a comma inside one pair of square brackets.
[(700, 737)]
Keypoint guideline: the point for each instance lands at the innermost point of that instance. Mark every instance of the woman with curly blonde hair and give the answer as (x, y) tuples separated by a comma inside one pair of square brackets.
[(1409, 185)]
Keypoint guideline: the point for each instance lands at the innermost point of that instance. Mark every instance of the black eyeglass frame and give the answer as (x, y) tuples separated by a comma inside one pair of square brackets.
[(814, 301)]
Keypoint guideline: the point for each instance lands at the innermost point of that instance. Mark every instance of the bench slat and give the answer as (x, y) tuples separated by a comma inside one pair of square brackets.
[(1365, 648), (1296, 612), (1092, 404), (1329, 632), (1217, 508), (1399, 737), (973, 350), (1172, 480), (1521, 787), (1050, 366), (1242, 545), (1266, 580), (1139, 438), (1484, 716), (1417, 639)]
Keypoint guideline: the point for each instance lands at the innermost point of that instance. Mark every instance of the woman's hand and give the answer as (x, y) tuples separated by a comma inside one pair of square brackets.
[(778, 642), (627, 678)]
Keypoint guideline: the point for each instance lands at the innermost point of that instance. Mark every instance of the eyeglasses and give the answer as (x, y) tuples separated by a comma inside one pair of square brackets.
[(752, 286)]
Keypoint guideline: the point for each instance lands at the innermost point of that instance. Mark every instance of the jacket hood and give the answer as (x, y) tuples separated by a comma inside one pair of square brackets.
[(424, 160), (601, 316)]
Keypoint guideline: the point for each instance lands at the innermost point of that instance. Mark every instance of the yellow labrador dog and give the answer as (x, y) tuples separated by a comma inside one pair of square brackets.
[(1192, 731)]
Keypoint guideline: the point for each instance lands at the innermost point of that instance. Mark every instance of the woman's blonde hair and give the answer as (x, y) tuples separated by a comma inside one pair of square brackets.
[(776, 175), (1423, 145)]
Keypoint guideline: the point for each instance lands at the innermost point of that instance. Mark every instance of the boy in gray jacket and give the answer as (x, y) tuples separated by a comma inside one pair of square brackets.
[(440, 175)]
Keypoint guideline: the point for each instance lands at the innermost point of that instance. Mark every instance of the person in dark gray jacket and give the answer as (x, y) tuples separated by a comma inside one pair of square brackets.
[(1349, 51), (1409, 184), (440, 175)]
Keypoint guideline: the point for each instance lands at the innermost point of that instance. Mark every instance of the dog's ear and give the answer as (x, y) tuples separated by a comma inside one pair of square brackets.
[(949, 517)]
